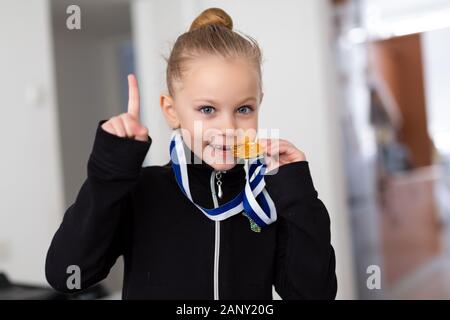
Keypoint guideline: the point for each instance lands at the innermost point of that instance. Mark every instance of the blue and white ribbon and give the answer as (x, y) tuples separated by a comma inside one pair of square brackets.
[(254, 199)]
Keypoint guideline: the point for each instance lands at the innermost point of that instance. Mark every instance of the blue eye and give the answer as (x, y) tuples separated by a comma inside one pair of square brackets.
[(245, 109), (207, 109)]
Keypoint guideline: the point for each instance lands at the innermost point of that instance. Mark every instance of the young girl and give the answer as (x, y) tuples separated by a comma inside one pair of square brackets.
[(205, 225)]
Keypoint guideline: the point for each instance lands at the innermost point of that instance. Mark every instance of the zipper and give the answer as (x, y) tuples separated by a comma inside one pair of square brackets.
[(216, 175), (219, 184)]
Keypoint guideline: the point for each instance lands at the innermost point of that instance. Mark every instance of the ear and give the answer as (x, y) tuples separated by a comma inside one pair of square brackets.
[(260, 99), (167, 106)]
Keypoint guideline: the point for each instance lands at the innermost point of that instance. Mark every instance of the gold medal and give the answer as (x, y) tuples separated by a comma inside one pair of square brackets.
[(248, 149)]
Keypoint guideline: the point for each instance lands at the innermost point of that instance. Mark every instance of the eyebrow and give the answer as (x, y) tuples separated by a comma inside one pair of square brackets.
[(212, 101)]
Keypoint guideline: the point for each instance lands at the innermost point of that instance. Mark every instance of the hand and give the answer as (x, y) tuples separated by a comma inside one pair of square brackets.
[(279, 152), (127, 125)]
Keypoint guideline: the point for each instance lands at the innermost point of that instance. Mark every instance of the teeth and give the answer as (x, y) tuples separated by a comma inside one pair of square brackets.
[(219, 147)]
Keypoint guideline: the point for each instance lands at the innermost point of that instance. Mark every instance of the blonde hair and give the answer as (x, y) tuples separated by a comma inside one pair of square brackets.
[(211, 33)]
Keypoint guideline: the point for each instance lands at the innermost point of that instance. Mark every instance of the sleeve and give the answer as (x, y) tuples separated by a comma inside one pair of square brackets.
[(94, 228), (305, 262)]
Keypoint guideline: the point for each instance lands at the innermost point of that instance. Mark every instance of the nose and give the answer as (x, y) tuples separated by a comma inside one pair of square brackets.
[(227, 128), (227, 121)]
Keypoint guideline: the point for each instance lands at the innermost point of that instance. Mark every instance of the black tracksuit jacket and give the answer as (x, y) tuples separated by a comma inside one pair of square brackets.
[(171, 250)]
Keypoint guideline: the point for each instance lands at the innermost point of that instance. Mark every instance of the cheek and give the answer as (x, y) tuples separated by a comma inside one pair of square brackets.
[(202, 130)]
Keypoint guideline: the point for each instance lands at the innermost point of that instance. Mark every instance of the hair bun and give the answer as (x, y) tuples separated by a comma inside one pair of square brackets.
[(212, 16)]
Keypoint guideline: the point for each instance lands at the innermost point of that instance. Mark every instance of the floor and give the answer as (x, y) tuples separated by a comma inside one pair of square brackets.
[(415, 233)]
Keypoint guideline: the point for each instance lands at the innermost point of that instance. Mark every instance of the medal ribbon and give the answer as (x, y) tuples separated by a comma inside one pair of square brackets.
[(254, 199)]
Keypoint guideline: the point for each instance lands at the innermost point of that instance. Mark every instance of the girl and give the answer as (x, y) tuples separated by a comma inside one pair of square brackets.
[(204, 226)]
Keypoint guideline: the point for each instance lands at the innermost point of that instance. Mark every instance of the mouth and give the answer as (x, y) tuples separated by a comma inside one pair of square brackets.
[(222, 148), (245, 150), (248, 150)]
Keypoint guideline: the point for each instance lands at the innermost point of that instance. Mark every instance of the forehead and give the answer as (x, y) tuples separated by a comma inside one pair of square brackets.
[(220, 78)]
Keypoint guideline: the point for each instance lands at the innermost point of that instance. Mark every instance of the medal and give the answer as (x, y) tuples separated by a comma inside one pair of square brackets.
[(247, 150), (254, 200)]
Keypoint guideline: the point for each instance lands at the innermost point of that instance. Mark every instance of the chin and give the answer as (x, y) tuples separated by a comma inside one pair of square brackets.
[(222, 166), (219, 160)]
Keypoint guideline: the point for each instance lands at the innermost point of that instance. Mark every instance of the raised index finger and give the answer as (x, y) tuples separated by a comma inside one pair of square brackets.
[(133, 97)]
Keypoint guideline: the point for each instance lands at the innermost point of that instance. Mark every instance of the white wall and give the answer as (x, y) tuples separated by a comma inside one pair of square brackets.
[(30, 166), (387, 18), (298, 80), (389, 9), (155, 25), (436, 50)]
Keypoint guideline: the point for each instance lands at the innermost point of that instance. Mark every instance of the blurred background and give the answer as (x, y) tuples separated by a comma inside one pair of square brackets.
[(361, 86)]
